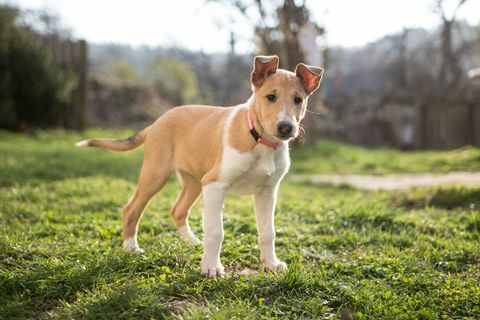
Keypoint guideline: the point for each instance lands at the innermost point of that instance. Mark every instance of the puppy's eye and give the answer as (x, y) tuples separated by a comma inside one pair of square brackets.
[(271, 97), (298, 100)]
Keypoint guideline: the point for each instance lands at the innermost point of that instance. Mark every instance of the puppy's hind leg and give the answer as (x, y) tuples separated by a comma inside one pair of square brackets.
[(191, 189), (152, 179)]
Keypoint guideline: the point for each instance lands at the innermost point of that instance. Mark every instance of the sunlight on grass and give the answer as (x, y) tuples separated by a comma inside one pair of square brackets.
[(334, 157), (403, 255)]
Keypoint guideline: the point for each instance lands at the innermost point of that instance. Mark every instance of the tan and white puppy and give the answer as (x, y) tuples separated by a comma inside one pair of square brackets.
[(222, 150)]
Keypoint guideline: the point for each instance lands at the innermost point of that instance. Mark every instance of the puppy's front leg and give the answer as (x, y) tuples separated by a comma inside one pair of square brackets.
[(213, 195), (264, 211)]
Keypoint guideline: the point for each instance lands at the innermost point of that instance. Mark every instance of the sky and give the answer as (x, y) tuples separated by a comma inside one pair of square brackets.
[(198, 25)]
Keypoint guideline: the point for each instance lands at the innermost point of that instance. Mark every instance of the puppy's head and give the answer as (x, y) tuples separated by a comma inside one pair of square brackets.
[(281, 96)]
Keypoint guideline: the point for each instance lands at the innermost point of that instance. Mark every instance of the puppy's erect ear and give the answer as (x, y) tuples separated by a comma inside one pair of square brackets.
[(310, 76), (263, 66)]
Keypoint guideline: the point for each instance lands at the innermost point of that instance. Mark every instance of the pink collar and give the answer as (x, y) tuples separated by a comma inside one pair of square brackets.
[(258, 138)]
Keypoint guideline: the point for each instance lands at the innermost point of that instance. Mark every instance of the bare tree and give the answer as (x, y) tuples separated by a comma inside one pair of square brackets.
[(277, 26), (397, 70), (450, 70)]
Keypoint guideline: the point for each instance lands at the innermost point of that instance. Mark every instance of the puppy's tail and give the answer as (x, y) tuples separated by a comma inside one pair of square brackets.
[(117, 144)]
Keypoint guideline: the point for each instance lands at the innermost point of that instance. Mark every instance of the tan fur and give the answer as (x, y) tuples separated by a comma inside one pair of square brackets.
[(286, 85), (195, 135), (118, 144), (239, 136), (191, 189)]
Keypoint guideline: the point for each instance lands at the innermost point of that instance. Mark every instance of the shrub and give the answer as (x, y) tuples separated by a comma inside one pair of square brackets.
[(33, 90)]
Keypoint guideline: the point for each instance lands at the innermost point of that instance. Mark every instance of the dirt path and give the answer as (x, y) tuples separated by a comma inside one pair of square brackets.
[(394, 182)]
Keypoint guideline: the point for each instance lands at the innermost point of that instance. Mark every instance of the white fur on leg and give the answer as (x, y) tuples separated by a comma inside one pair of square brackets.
[(131, 244), (83, 143), (187, 235), (213, 195), (264, 211)]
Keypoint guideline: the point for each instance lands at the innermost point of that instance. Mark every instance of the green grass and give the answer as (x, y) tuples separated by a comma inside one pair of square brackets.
[(375, 255), (333, 157)]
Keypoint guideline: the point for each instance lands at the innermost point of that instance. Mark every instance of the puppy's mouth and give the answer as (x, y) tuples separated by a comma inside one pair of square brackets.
[(284, 137), (278, 136)]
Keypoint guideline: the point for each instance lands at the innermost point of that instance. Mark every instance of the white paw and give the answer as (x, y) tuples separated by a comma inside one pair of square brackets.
[(131, 245), (133, 249), (190, 239), (211, 270), (277, 266), (187, 235)]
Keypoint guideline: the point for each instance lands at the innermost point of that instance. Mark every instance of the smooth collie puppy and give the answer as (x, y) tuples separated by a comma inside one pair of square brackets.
[(216, 151)]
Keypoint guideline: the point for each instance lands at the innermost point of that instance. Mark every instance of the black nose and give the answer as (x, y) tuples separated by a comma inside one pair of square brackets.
[(284, 128)]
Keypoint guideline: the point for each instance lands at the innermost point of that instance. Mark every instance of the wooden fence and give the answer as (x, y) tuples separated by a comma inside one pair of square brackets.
[(447, 125), (408, 124)]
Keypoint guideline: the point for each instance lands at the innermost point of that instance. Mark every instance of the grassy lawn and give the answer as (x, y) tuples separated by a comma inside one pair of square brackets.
[(374, 255), (334, 157)]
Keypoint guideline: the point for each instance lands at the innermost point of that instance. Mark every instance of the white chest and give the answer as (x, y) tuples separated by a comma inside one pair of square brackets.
[(248, 173)]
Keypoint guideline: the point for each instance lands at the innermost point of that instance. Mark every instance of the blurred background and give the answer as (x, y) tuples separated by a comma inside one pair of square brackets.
[(397, 73)]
